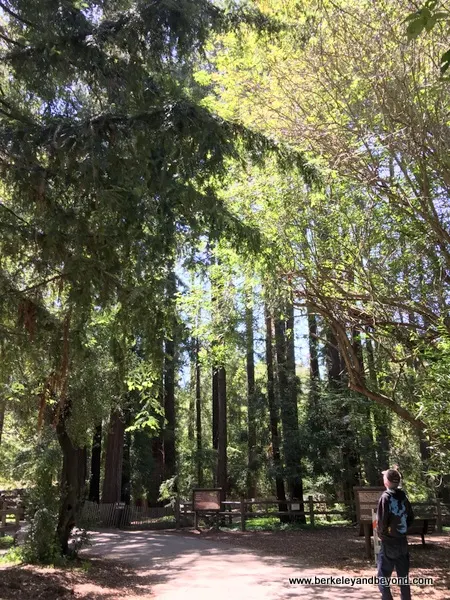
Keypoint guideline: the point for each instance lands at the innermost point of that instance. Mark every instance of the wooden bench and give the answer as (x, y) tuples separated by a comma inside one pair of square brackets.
[(422, 527)]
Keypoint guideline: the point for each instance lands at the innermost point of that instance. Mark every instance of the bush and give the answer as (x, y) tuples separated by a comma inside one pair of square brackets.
[(41, 544)]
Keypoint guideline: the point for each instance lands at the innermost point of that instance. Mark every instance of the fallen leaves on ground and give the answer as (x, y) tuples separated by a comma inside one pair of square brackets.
[(93, 580), (341, 551)]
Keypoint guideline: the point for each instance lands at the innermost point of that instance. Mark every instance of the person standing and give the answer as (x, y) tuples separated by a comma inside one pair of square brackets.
[(394, 516)]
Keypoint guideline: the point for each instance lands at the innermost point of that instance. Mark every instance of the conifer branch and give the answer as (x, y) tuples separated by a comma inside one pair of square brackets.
[(13, 14)]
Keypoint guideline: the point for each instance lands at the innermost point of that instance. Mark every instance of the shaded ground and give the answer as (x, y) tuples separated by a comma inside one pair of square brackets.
[(188, 567), (96, 580), (218, 565), (340, 548)]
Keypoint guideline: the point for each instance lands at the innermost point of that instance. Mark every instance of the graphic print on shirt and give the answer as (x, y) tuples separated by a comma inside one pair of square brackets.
[(398, 509)]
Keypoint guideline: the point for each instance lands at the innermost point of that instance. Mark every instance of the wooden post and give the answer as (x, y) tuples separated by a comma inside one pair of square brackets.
[(438, 515), (195, 519), (243, 509), (177, 512), (367, 526), (311, 510), (17, 515), (4, 519)]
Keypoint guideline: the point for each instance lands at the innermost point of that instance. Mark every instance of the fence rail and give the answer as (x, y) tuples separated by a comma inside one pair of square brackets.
[(124, 516), (182, 514)]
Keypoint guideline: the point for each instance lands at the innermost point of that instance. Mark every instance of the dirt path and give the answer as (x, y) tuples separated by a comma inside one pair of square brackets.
[(184, 567)]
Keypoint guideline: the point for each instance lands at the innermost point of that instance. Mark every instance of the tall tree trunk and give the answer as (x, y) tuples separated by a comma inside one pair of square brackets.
[(169, 381), (157, 446), (251, 403), (169, 409), (192, 390), (314, 372), (273, 413), (198, 414), (125, 487), (349, 450), (369, 456), (112, 482), (222, 469), (215, 407), (287, 392), (96, 460), (2, 417), (73, 480), (381, 414)]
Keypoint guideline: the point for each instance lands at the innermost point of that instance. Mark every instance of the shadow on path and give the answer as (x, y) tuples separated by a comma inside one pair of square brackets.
[(186, 567)]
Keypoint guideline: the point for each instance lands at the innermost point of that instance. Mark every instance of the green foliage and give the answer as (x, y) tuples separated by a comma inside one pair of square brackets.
[(41, 544), (425, 19), (6, 542)]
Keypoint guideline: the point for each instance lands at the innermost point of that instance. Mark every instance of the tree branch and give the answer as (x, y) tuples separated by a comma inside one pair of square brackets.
[(13, 14)]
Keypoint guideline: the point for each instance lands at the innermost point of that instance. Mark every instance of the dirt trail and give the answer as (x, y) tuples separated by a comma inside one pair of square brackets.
[(184, 567)]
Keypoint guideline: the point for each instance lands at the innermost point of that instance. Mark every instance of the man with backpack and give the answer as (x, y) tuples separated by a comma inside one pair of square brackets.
[(394, 517)]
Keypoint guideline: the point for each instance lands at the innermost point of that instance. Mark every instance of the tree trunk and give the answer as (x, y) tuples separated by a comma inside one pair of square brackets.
[(381, 414), (314, 371), (273, 413), (215, 415), (287, 393), (73, 481), (96, 459), (294, 389), (222, 471), (2, 417), (349, 450), (251, 404), (198, 414), (125, 486), (169, 409), (112, 483), (368, 451), (192, 388)]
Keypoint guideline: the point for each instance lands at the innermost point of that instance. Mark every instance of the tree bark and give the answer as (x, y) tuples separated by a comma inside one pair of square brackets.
[(73, 481), (169, 381), (251, 404), (96, 459), (125, 486), (198, 414), (273, 413), (287, 392), (215, 407), (350, 454), (381, 415), (2, 417), (368, 453), (112, 483), (169, 410), (314, 371), (222, 470)]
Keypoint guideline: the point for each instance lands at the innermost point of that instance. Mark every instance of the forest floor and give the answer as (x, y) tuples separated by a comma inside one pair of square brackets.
[(221, 565), (341, 549)]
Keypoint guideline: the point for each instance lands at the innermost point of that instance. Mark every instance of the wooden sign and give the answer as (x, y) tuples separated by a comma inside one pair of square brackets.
[(207, 499), (366, 501)]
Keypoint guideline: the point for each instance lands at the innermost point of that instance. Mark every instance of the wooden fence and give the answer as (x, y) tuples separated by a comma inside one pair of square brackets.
[(232, 511), (126, 516), (10, 520), (243, 510)]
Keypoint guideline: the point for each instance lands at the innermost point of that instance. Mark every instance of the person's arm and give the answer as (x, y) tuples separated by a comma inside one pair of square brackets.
[(383, 516)]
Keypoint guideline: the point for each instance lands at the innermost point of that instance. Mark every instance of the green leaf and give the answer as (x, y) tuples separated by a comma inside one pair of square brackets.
[(415, 28), (445, 62)]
